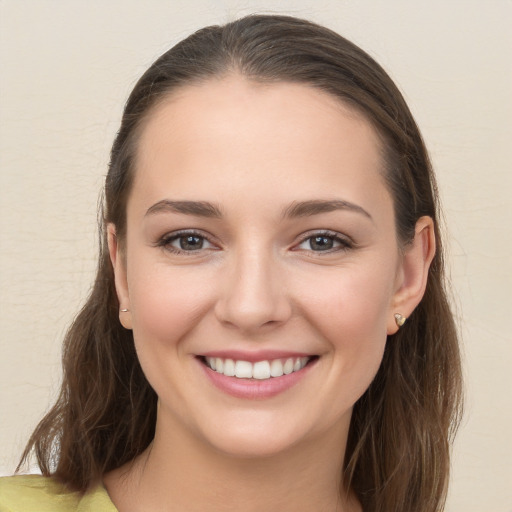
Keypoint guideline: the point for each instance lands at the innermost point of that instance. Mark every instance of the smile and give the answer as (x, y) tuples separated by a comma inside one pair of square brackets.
[(260, 370), (256, 375)]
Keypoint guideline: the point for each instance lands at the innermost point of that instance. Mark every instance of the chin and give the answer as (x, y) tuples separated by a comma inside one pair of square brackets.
[(251, 443), (264, 434)]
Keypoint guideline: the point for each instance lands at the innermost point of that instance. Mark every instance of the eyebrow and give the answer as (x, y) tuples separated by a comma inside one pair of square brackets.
[(198, 208), (296, 209), (317, 206)]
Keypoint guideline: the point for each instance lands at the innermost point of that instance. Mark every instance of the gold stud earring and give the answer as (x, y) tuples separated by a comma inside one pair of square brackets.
[(400, 319)]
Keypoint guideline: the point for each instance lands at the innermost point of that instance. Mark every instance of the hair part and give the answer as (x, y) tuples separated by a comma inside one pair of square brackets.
[(397, 454)]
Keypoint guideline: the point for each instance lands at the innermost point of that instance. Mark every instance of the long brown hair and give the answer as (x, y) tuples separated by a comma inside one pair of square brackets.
[(397, 457)]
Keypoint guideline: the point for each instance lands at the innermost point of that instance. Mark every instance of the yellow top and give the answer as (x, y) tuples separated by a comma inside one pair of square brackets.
[(35, 493)]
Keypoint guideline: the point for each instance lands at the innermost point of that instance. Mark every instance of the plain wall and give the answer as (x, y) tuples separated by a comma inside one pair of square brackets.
[(66, 70)]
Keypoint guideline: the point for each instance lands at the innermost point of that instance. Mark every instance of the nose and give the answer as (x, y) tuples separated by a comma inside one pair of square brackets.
[(253, 295)]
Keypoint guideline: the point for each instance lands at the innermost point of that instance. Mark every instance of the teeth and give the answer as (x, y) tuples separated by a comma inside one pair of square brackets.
[(229, 368), (261, 370), (276, 368), (288, 366), (243, 370)]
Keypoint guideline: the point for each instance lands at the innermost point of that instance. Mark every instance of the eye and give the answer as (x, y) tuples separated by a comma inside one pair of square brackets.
[(188, 242), (324, 242), (185, 242)]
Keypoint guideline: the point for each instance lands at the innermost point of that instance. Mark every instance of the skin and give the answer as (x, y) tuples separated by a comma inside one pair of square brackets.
[(254, 151)]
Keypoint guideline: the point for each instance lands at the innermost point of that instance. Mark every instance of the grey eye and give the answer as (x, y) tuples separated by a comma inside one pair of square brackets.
[(321, 243), (190, 242), (324, 242), (185, 242)]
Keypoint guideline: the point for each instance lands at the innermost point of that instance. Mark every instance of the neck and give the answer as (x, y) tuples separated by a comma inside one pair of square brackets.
[(181, 473)]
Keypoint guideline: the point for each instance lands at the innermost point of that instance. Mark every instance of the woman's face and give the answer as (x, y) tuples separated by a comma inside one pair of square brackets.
[(261, 242)]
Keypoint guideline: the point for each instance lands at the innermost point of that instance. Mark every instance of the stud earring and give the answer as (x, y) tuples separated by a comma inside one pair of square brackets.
[(124, 310), (400, 319)]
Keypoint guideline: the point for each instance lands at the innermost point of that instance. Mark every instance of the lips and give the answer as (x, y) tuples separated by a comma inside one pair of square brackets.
[(256, 375)]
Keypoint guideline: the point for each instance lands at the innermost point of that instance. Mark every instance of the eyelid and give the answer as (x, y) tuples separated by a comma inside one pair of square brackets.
[(345, 241), (165, 241)]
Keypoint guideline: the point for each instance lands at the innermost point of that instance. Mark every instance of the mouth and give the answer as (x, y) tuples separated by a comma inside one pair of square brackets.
[(258, 370)]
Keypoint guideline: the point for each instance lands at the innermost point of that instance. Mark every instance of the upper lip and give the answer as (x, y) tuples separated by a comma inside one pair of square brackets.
[(254, 356)]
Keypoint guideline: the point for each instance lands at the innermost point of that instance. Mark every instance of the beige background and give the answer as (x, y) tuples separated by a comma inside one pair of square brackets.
[(66, 69)]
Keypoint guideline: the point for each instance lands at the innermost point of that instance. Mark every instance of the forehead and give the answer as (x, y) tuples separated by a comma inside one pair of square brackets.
[(259, 137)]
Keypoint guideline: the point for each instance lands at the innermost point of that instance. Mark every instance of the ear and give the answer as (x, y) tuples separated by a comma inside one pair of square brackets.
[(121, 282), (413, 272)]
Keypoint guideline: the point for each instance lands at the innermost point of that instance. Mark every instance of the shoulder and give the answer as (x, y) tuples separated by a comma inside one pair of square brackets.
[(31, 493)]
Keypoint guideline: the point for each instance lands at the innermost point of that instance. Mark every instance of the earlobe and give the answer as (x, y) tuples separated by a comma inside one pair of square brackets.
[(413, 272), (121, 283)]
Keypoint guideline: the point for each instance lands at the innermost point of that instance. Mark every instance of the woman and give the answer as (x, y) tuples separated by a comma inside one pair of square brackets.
[(269, 327)]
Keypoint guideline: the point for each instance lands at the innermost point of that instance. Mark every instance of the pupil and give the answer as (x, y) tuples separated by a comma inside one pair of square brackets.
[(191, 242), (321, 243)]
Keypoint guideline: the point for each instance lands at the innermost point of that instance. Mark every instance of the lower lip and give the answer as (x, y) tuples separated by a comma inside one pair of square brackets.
[(254, 389)]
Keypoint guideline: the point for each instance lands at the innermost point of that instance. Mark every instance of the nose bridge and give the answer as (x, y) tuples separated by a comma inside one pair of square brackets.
[(254, 296)]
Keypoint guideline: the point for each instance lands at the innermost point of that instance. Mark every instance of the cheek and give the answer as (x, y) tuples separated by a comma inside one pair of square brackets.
[(166, 302), (350, 310), (357, 299)]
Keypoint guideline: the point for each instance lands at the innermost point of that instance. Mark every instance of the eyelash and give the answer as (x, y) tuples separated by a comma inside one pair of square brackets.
[(167, 239), (344, 242)]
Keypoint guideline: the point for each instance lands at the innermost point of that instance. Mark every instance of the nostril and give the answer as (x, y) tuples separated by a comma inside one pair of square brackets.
[(250, 314)]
